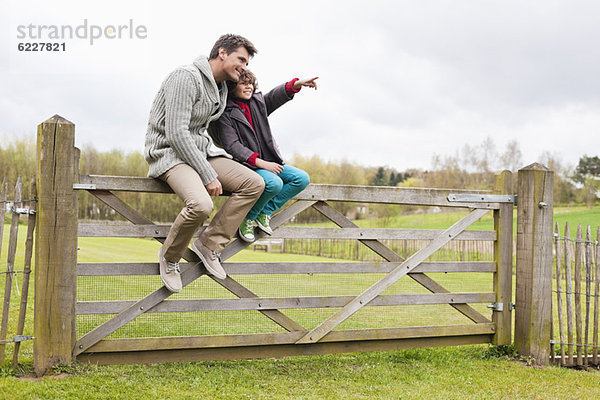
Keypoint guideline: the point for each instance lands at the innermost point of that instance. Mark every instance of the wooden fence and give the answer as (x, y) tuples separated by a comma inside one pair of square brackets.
[(336, 322), (17, 206), (119, 312), (577, 270)]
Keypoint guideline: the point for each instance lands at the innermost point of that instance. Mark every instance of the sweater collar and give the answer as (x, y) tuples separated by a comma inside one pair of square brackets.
[(204, 67), (202, 64)]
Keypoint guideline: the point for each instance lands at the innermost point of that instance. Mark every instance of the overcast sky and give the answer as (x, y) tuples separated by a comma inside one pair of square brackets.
[(399, 81)]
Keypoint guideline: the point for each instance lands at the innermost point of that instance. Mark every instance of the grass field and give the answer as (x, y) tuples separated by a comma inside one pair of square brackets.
[(574, 215), (463, 372), (471, 372)]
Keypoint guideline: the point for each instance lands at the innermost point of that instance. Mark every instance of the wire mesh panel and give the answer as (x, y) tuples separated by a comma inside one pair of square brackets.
[(273, 286)]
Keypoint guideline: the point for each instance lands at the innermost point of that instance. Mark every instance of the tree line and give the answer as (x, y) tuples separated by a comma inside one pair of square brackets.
[(474, 166)]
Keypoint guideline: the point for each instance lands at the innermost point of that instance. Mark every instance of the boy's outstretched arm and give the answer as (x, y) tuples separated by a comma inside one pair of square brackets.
[(306, 82), (281, 94)]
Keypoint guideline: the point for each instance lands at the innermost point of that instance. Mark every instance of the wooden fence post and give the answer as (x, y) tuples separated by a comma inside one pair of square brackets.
[(533, 311), (503, 255), (55, 250)]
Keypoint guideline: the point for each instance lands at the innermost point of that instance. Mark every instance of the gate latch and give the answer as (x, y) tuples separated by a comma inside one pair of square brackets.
[(482, 198), (496, 306)]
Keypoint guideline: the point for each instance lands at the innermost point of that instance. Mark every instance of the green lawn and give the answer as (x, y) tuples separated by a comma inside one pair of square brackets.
[(470, 372), (461, 372)]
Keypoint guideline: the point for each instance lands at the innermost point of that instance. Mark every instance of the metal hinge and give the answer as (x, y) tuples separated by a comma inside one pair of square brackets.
[(18, 338), (500, 306), (496, 306), (84, 186), (18, 210), (482, 198)]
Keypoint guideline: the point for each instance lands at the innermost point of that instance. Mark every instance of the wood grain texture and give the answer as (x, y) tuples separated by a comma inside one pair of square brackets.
[(215, 341), (10, 264), (31, 219), (161, 231), (503, 255), (569, 295), (596, 298), (274, 268), (275, 303), (275, 351), (578, 321), (588, 291), (55, 253), (314, 192), (559, 306), (534, 262)]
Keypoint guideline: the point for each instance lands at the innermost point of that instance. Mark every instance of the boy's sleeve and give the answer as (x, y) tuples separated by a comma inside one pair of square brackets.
[(180, 95), (277, 97), (252, 159), (289, 87), (230, 140)]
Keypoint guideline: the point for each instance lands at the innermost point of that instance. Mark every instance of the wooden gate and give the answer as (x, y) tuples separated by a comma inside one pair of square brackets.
[(293, 335)]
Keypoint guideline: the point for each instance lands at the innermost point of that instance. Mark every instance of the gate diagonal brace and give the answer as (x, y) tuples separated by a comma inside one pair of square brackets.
[(402, 269), (187, 276), (382, 250)]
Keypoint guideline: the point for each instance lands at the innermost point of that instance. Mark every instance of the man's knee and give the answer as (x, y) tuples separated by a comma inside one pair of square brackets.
[(199, 210), (255, 184)]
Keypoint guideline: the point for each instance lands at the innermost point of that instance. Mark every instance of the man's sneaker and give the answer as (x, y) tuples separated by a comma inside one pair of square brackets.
[(246, 230), (169, 273), (263, 221), (210, 259)]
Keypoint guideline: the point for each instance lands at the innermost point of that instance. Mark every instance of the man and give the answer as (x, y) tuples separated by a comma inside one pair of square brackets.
[(181, 153)]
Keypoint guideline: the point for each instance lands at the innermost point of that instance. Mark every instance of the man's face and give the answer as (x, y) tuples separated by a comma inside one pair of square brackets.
[(235, 63)]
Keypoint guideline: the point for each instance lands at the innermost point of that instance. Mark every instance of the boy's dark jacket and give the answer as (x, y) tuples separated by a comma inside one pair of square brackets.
[(233, 131)]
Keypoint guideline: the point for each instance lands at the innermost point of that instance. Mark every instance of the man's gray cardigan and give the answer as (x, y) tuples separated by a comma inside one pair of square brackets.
[(187, 102)]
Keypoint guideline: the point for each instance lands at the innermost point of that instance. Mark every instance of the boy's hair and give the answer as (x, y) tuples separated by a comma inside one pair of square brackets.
[(230, 43), (246, 77)]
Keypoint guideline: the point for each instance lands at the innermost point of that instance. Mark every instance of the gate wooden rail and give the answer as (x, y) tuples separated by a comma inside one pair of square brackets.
[(56, 310)]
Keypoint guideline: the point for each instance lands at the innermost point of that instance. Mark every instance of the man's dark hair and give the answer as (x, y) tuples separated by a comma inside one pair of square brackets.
[(230, 43)]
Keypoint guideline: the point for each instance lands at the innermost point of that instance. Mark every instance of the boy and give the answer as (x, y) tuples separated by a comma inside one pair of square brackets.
[(244, 132)]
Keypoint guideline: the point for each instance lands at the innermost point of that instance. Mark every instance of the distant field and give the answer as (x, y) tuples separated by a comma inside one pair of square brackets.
[(574, 215)]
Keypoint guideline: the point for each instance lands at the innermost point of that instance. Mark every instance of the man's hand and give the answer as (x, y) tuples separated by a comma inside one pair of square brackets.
[(214, 188), (306, 82), (269, 166)]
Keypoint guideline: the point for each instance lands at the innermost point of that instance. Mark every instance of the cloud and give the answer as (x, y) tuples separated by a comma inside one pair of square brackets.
[(399, 81)]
